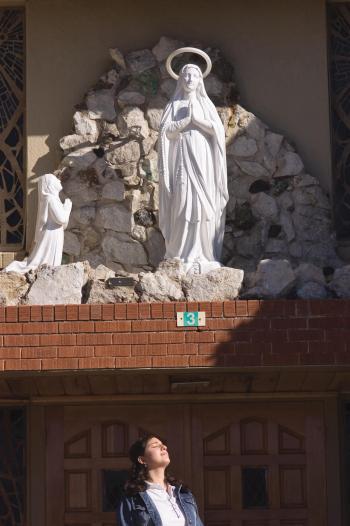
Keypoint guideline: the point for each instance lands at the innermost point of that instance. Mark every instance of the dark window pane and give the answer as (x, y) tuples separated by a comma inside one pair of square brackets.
[(112, 487), (254, 487)]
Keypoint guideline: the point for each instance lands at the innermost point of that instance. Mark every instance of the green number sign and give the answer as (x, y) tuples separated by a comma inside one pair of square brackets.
[(190, 319)]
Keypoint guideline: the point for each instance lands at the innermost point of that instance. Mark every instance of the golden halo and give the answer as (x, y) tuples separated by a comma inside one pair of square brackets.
[(187, 50)]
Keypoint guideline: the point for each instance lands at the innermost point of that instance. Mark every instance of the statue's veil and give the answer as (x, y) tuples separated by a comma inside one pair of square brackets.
[(47, 187)]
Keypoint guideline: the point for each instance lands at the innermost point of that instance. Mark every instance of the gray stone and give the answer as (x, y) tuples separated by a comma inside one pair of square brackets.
[(13, 288), (101, 272), (164, 47), (139, 233), (340, 283), (111, 78), (57, 285), (252, 125), (154, 112), (289, 164), (276, 247), (130, 97), (160, 286), (100, 104), (69, 142), (243, 147), (132, 123), (118, 57), (312, 291), (286, 223), (114, 217), (121, 248), (99, 292), (149, 166), (238, 187), (295, 250), (311, 196), (307, 272), (226, 116), (285, 201), (250, 245), (214, 87), (168, 87), (218, 285), (84, 215), (312, 227), (140, 200), (155, 246), (71, 244), (253, 168), (80, 159), (150, 142), (303, 180), (264, 206), (321, 253), (109, 131), (174, 268), (79, 192), (114, 190), (140, 61), (94, 258), (85, 126), (122, 153), (273, 143), (274, 278)]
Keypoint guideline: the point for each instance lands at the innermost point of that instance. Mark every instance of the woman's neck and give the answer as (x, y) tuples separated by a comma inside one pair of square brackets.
[(157, 476)]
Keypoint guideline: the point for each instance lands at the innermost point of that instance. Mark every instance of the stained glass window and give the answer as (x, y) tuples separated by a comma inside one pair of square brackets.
[(12, 466), (11, 128)]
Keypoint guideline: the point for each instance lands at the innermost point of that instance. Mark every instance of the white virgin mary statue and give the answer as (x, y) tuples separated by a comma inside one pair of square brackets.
[(192, 175), (52, 219)]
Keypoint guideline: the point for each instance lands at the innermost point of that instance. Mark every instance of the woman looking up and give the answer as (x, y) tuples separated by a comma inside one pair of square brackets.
[(153, 497)]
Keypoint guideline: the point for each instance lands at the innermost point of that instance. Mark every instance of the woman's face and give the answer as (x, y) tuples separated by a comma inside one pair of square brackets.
[(156, 454), (191, 77)]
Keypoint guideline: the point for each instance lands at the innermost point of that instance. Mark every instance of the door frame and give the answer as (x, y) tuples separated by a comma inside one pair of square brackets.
[(38, 490)]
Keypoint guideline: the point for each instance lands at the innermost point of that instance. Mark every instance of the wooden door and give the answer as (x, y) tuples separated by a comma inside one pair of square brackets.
[(259, 464), (92, 463), (249, 464)]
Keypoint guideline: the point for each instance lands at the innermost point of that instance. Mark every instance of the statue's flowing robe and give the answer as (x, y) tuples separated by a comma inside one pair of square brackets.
[(52, 218), (192, 182)]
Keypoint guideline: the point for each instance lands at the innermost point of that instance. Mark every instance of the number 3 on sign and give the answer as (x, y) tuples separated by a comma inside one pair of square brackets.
[(190, 319)]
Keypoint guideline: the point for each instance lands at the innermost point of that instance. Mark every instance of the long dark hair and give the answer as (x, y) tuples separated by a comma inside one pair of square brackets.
[(139, 472)]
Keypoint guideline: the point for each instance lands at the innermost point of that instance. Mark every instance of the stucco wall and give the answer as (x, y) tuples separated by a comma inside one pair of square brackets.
[(278, 48)]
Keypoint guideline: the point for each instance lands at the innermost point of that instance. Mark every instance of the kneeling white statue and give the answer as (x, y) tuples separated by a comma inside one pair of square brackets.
[(52, 219), (192, 172)]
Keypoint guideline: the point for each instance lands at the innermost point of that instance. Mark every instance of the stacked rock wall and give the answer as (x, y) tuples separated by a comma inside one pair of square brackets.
[(110, 172), (276, 213)]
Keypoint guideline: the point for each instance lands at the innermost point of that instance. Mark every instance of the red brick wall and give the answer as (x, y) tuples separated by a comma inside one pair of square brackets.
[(238, 333)]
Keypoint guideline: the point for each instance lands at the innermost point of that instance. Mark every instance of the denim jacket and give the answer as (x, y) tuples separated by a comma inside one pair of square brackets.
[(139, 510)]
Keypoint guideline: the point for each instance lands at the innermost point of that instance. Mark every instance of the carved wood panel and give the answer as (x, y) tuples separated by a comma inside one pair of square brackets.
[(95, 460), (293, 486), (265, 457), (248, 464)]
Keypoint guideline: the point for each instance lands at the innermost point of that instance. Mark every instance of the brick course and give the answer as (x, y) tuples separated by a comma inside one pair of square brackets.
[(237, 334)]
